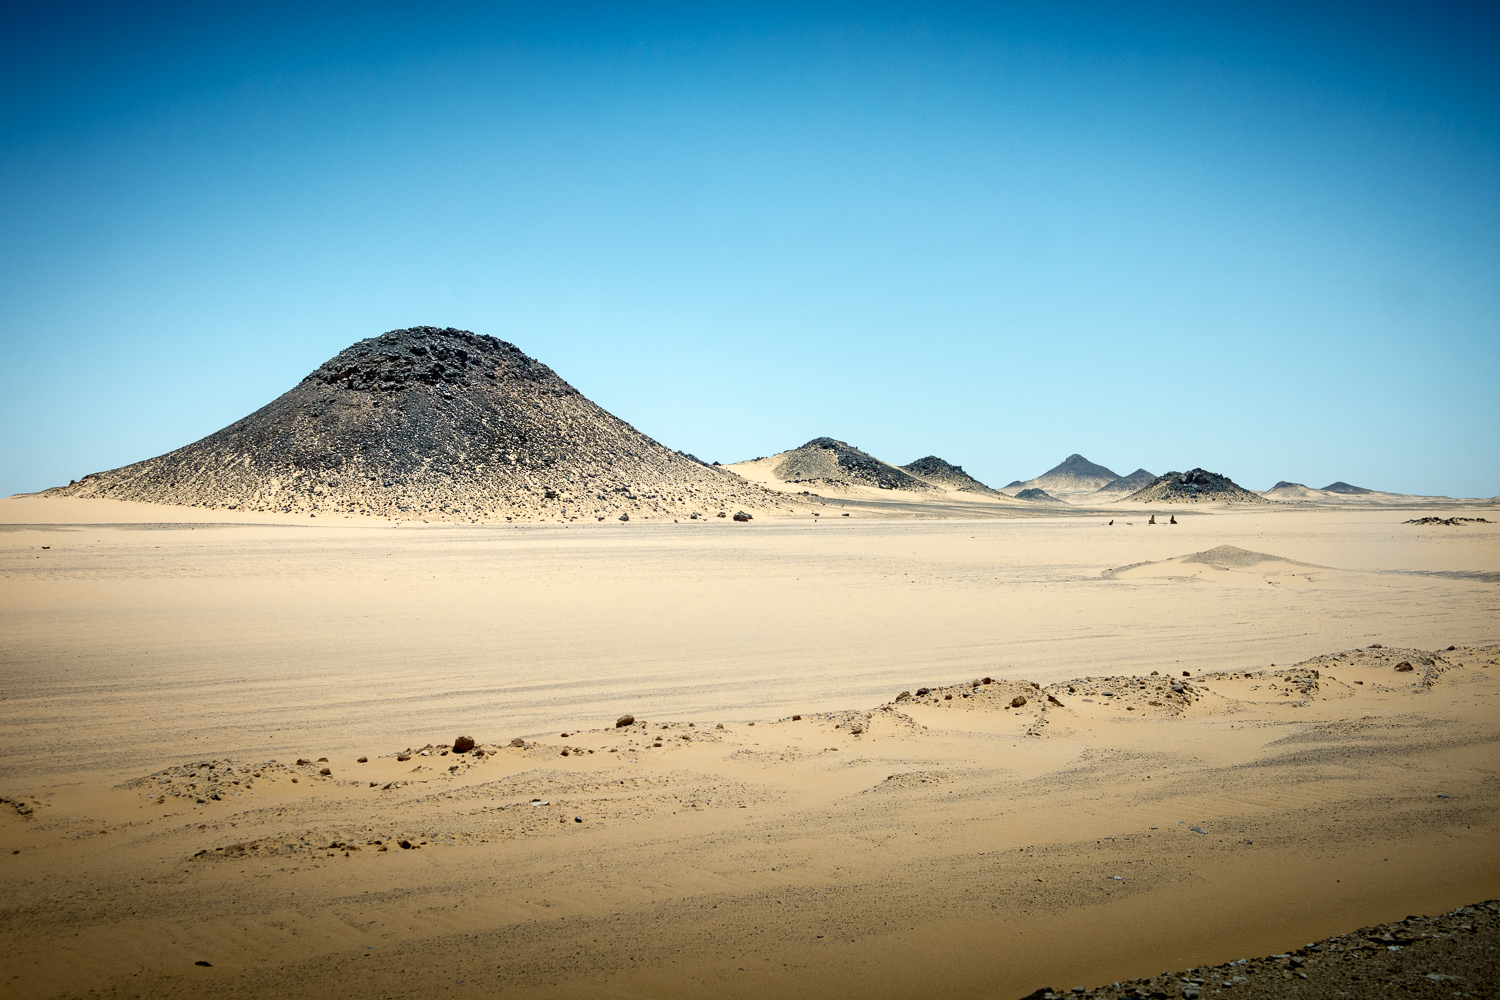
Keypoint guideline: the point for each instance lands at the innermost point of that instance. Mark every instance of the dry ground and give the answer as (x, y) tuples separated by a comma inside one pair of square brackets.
[(959, 847)]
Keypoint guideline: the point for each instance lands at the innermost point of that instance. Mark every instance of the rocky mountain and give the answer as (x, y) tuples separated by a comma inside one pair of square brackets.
[(432, 423), (940, 473), (1195, 486), (1074, 478), (830, 462), (1126, 484)]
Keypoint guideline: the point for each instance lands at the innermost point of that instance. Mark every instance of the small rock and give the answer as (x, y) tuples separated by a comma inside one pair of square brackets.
[(1018, 701), (463, 744), (796, 718), (624, 517), (1198, 829), (578, 819), (206, 965), (1404, 666), (363, 760), (624, 720), (741, 516), (518, 742), (403, 756), (322, 770), (302, 760)]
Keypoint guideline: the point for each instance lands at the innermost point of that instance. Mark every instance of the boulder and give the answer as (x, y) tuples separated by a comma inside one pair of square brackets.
[(463, 744), (624, 720)]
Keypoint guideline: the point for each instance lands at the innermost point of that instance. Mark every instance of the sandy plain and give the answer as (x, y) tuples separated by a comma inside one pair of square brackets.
[(958, 847)]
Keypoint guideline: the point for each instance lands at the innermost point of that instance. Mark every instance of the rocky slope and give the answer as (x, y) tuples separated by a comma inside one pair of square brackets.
[(825, 461), (940, 473), (1195, 486), (431, 423), (1125, 485), (1073, 478)]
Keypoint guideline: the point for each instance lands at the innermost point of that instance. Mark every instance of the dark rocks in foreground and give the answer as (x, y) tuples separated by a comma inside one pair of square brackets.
[(1456, 954)]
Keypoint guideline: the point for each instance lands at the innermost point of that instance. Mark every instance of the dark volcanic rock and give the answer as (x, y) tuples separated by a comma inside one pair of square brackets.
[(1197, 486), (1343, 487), (936, 470), (1037, 496), (825, 459), (429, 422)]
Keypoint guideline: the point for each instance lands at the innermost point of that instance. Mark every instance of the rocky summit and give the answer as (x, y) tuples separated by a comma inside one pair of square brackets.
[(1196, 486), (431, 423)]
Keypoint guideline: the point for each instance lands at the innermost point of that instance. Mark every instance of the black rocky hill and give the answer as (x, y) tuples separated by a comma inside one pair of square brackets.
[(430, 422), (1195, 486), (936, 470)]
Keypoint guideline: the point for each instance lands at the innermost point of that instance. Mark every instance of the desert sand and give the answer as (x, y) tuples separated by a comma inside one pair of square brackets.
[(1224, 738)]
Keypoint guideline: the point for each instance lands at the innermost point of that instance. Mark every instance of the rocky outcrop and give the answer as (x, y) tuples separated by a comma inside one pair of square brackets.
[(1195, 486)]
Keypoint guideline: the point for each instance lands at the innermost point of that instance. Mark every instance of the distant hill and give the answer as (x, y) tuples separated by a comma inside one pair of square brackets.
[(1070, 480), (829, 461), (433, 423), (1345, 488), (1127, 484), (1037, 496), (1195, 486), (938, 472)]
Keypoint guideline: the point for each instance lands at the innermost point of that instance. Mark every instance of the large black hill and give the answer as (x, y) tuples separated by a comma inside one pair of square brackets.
[(431, 422)]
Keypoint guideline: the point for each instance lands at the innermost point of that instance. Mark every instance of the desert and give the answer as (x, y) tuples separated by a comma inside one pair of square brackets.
[(589, 501), (886, 736)]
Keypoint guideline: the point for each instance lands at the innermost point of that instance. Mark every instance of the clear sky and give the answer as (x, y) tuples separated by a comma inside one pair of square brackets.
[(1263, 240)]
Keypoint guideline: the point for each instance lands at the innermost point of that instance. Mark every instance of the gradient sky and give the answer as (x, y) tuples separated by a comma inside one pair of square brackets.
[(1263, 240)]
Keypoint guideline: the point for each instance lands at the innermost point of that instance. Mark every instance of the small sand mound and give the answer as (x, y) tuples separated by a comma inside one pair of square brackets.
[(1231, 555)]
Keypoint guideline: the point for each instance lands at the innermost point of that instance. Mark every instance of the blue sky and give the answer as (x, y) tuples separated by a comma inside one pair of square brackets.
[(1261, 240)]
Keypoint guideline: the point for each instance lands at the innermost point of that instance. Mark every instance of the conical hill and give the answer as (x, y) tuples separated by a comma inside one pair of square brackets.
[(436, 423)]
